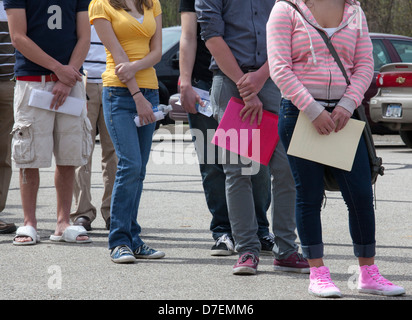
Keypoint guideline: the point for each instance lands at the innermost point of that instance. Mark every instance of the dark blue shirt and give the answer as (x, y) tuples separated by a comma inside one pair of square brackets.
[(51, 24), (241, 23)]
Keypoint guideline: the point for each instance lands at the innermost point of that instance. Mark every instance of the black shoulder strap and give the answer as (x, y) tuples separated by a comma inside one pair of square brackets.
[(376, 162), (334, 54), (328, 44)]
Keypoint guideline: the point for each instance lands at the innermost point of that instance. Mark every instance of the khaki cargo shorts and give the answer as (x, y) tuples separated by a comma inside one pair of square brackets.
[(38, 133)]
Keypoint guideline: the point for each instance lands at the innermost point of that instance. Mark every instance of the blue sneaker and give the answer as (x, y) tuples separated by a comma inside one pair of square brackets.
[(122, 254), (145, 252)]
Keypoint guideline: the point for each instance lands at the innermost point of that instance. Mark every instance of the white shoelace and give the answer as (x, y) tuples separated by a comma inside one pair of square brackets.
[(124, 249), (377, 277), (226, 240), (323, 279)]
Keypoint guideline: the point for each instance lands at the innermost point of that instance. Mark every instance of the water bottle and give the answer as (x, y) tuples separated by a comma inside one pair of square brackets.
[(206, 110), (163, 110), (159, 115)]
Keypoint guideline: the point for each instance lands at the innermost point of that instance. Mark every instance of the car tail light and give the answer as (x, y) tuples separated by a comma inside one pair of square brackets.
[(394, 79)]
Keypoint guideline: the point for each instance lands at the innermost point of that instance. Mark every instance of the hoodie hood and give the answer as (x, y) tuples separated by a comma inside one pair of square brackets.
[(352, 17)]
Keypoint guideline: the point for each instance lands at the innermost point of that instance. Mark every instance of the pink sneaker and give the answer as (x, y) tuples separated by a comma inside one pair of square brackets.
[(371, 281), (321, 284), (247, 264)]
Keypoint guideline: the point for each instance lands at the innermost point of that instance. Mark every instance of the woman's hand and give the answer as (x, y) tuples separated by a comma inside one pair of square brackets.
[(125, 71), (324, 124), (341, 117), (144, 109)]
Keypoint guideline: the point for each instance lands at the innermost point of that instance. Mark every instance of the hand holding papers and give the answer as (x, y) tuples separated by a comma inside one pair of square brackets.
[(42, 99), (336, 149), (251, 141)]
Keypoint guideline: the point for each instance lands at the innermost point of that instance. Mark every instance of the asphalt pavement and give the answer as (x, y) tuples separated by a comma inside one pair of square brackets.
[(175, 219)]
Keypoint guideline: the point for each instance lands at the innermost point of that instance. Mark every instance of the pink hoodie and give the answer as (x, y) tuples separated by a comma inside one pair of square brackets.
[(302, 66)]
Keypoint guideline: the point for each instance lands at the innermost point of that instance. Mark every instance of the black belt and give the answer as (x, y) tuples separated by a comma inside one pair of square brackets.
[(244, 70), (328, 103), (247, 70)]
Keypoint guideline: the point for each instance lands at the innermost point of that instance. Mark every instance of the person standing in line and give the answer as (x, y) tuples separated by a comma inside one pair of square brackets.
[(51, 44), (7, 60), (312, 82), (84, 212), (194, 72), (131, 31), (235, 34)]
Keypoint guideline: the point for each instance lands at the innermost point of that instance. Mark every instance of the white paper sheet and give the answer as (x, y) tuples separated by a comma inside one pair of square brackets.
[(42, 99)]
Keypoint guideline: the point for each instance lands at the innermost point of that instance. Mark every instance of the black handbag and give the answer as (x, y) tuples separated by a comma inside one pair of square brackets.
[(374, 161)]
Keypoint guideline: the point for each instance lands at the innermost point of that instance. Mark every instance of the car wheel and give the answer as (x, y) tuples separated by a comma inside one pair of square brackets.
[(406, 137)]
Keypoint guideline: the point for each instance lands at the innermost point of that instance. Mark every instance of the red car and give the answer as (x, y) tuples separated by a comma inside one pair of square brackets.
[(387, 48)]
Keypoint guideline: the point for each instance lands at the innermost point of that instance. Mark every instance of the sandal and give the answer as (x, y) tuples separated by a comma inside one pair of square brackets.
[(70, 235), (26, 231)]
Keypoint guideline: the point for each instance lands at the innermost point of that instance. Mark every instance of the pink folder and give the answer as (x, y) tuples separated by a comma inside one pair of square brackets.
[(251, 141)]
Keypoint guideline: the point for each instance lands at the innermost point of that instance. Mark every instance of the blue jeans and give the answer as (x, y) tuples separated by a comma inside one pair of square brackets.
[(355, 187), (213, 178), (132, 145)]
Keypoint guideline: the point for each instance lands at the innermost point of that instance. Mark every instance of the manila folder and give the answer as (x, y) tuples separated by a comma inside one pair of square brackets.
[(337, 149)]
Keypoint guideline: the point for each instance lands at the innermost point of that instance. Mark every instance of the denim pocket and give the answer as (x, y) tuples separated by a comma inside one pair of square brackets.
[(152, 95), (22, 144), (289, 110), (288, 115), (119, 91)]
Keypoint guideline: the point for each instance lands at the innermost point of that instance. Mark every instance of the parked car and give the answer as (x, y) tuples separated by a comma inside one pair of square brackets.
[(392, 106), (167, 69), (387, 48), (177, 113)]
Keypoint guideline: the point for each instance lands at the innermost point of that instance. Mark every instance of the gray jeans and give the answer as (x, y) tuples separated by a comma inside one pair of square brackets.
[(239, 187)]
